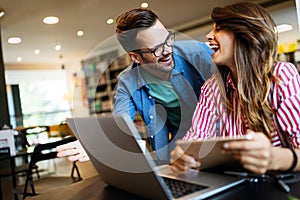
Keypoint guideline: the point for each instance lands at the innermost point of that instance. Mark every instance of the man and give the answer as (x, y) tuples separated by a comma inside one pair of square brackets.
[(162, 85)]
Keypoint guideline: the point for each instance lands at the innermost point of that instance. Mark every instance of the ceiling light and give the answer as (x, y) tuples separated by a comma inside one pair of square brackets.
[(19, 59), (51, 20), (80, 33), (14, 40), (144, 5), (110, 21), (57, 47), (283, 28), (2, 13), (36, 51)]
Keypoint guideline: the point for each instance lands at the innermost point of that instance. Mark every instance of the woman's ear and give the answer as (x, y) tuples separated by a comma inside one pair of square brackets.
[(135, 57)]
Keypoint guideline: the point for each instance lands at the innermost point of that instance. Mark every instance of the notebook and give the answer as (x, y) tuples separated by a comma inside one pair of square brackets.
[(111, 143)]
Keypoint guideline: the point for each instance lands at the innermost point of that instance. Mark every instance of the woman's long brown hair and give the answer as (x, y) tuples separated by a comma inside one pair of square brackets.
[(255, 52)]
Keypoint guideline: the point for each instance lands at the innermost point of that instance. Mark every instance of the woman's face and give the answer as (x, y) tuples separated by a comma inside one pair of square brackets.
[(222, 43)]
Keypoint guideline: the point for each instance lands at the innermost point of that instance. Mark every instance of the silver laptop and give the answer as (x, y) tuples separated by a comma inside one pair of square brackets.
[(111, 143)]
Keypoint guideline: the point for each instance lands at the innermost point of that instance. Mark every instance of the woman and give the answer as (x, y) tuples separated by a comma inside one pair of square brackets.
[(251, 94)]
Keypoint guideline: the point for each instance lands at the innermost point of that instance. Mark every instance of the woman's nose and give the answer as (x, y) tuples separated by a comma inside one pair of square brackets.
[(210, 36)]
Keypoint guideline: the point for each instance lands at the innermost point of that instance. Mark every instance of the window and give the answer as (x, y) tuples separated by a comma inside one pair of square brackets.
[(43, 102)]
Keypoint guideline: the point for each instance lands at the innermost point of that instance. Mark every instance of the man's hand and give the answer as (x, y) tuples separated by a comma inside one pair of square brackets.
[(73, 150)]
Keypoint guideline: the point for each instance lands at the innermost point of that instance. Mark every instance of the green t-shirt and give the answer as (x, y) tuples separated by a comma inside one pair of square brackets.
[(165, 95)]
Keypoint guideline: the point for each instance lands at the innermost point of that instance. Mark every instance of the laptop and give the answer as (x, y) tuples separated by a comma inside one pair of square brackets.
[(112, 145)]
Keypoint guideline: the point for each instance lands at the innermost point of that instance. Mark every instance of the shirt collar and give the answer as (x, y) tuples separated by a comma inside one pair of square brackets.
[(229, 83)]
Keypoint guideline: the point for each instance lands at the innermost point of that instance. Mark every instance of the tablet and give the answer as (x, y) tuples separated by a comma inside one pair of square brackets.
[(208, 151)]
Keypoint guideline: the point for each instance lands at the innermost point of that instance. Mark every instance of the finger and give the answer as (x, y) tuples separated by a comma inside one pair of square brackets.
[(182, 161), (244, 145), (256, 162), (68, 152), (61, 148), (255, 169), (239, 145), (238, 153), (70, 145), (79, 157), (74, 158), (178, 168), (259, 154), (258, 141), (84, 159), (185, 164), (252, 160), (176, 153)]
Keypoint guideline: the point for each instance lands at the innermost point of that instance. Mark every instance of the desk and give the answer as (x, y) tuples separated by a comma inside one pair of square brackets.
[(95, 189)]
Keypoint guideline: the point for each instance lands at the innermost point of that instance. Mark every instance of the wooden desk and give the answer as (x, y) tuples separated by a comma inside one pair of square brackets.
[(95, 189), (90, 188)]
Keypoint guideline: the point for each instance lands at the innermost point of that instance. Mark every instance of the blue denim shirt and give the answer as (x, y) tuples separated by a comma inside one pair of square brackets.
[(193, 65)]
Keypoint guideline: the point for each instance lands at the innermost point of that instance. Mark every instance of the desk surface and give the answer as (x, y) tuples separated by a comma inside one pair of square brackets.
[(94, 188)]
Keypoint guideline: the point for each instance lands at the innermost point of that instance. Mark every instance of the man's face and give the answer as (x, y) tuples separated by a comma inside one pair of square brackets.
[(155, 49)]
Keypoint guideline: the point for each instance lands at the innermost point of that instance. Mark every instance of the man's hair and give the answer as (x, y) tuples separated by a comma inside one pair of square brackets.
[(129, 23)]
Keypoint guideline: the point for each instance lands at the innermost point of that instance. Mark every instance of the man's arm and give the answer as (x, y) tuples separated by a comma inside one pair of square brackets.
[(123, 101)]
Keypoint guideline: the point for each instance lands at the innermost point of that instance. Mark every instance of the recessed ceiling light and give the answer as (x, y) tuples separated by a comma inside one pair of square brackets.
[(36, 51), (80, 33), (19, 59), (2, 13), (57, 47), (14, 40), (51, 20), (283, 28), (110, 21), (144, 5)]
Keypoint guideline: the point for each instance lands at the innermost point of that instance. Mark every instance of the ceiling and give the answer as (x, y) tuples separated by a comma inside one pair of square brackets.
[(23, 18)]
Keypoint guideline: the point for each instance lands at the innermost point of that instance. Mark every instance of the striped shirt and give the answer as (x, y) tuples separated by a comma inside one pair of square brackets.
[(284, 97)]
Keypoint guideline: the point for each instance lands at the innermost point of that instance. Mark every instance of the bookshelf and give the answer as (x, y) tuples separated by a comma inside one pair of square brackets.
[(100, 74)]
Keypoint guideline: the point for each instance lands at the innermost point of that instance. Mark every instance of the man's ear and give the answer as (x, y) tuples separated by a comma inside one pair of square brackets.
[(135, 57)]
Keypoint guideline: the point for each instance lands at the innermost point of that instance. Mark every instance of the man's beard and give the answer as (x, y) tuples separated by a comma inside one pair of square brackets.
[(158, 68)]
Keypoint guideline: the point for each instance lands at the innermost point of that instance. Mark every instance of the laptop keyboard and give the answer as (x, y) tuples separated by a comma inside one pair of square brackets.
[(180, 188)]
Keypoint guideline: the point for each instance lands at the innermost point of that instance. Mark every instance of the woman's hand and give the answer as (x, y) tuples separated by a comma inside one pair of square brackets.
[(73, 150), (181, 162), (254, 155)]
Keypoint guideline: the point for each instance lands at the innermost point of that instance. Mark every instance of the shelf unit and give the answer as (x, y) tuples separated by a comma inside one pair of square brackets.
[(101, 78), (290, 53)]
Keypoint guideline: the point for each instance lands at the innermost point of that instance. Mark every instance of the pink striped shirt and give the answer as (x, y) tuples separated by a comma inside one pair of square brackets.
[(284, 98)]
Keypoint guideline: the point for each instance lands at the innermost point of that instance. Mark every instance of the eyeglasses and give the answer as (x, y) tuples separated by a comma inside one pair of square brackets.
[(158, 51)]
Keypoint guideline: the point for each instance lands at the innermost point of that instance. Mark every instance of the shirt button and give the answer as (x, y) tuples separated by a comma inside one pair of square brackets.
[(151, 116), (150, 97)]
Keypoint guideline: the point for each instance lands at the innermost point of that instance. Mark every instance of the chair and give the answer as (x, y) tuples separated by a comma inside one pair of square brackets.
[(43, 152), (5, 159), (8, 166), (36, 134), (22, 146)]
